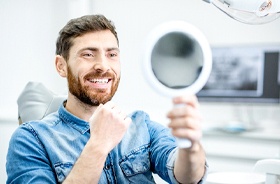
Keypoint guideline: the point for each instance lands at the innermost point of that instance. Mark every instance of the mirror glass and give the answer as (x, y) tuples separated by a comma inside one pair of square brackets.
[(178, 59)]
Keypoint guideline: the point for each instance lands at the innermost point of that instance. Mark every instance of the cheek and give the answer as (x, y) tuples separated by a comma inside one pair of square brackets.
[(72, 74), (118, 73), (117, 70), (77, 71)]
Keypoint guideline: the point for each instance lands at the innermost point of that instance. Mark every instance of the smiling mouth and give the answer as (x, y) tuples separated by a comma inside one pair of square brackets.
[(100, 81)]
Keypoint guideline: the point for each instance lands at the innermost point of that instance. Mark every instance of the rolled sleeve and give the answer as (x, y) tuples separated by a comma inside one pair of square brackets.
[(170, 166)]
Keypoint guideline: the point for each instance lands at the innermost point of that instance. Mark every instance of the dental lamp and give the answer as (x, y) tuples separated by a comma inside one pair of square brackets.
[(249, 11)]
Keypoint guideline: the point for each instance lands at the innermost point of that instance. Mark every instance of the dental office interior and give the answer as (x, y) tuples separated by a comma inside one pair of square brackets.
[(236, 134)]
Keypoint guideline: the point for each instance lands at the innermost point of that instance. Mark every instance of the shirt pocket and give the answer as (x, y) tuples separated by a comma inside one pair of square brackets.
[(136, 162), (62, 170)]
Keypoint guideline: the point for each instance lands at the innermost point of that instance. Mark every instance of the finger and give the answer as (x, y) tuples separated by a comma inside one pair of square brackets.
[(97, 109), (190, 134), (183, 111), (123, 115), (127, 120), (110, 105), (187, 99), (187, 122), (113, 109), (117, 110)]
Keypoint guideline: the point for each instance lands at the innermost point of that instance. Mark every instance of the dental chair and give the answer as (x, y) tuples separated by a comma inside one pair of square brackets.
[(271, 167), (265, 171), (36, 101)]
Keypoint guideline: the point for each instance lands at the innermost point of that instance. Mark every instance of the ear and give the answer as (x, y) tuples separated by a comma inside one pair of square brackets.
[(61, 65)]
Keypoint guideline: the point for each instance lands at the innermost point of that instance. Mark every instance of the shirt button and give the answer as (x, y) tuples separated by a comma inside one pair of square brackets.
[(107, 167)]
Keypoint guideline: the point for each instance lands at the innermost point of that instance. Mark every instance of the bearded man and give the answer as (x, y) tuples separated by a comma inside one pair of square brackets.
[(89, 139)]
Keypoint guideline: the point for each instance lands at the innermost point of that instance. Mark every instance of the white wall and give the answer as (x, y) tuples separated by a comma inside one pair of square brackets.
[(134, 20), (27, 48), (28, 32), (29, 29)]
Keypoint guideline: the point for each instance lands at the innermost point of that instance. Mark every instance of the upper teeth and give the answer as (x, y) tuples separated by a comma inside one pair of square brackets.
[(99, 80)]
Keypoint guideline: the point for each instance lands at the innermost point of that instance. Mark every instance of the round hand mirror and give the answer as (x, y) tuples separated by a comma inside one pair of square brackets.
[(177, 61)]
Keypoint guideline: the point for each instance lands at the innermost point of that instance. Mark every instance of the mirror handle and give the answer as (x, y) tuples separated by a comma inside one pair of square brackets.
[(182, 142)]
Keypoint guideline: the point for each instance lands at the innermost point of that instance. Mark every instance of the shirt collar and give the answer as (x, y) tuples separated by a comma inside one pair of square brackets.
[(68, 118)]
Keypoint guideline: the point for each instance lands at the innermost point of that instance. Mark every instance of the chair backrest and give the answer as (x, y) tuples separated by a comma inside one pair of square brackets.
[(36, 101), (230, 177), (271, 167), (266, 171)]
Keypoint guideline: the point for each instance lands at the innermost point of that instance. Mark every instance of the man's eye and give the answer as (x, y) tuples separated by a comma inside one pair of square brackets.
[(113, 55), (88, 55)]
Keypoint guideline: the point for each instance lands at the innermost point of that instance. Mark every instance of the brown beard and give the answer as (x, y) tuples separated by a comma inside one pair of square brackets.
[(85, 95)]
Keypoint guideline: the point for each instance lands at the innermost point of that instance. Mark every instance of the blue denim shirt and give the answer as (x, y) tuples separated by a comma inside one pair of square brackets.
[(45, 151)]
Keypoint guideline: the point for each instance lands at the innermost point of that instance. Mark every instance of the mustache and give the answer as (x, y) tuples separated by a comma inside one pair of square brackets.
[(99, 75)]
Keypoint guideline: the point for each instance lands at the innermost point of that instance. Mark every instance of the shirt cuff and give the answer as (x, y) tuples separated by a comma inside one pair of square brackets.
[(170, 167)]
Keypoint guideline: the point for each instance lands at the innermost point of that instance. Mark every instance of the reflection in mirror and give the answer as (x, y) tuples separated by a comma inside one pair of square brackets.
[(177, 60)]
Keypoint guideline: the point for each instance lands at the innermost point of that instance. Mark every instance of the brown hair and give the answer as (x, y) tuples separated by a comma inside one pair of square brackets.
[(78, 27)]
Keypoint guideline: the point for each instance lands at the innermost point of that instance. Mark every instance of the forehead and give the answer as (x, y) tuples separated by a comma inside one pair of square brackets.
[(98, 39)]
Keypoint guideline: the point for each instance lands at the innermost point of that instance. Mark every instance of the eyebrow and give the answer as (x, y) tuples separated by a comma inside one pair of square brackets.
[(114, 48), (96, 49)]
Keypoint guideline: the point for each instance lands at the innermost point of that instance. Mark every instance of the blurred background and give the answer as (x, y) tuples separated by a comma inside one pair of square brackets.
[(28, 33)]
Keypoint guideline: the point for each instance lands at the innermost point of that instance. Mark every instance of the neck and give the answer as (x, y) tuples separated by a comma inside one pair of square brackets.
[(78, 108)]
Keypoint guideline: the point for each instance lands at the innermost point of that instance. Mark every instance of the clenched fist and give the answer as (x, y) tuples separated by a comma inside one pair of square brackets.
[(108, 125)]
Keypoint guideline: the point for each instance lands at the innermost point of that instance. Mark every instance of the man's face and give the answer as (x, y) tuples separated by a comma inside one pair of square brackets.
[(93, 71)]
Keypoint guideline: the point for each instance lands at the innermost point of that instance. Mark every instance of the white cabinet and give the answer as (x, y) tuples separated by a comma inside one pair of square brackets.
[(240, 151)]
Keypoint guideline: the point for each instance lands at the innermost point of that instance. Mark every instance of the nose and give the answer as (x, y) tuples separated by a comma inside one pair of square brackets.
[(102, 65)]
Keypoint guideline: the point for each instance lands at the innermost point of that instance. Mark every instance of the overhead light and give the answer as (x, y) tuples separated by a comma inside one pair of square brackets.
[(249, 11)]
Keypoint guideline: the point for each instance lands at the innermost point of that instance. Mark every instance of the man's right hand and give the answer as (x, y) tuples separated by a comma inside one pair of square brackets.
[(108, 125)]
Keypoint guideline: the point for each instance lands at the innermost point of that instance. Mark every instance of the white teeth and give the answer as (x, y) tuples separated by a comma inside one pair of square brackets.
[(102, 81)]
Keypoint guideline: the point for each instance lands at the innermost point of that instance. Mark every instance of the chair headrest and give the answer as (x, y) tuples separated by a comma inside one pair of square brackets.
[(36, 101)]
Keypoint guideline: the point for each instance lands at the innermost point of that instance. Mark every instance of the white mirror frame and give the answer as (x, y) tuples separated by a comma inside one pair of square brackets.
[(190, 31)]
